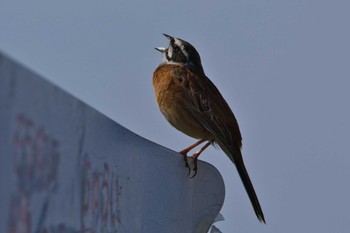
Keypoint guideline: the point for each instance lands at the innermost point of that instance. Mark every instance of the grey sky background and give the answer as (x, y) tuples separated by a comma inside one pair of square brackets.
[(283, 66)]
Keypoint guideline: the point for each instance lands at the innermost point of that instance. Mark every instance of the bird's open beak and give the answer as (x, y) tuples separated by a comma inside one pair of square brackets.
[(161, 49)]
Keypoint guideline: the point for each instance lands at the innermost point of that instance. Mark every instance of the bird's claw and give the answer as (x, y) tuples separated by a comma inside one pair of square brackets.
[(187, 165), (195, 168)]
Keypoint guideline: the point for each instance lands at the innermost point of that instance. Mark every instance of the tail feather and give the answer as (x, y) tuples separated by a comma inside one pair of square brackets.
[(243, 173)]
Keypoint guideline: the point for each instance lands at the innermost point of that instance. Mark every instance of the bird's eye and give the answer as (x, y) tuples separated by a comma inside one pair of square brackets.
[(176, 48)]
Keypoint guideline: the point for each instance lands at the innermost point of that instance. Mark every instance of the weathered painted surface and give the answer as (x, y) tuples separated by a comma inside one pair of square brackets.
[(65, 167)]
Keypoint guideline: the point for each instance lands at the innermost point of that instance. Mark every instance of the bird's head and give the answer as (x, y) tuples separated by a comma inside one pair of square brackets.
[(181, 52)]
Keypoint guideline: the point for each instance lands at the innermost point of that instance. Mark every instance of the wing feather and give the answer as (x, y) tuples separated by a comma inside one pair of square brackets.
[(212, 111)]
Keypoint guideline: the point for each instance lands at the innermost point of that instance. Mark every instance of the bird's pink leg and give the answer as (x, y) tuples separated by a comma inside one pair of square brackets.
[(186, 150), (196, 155)]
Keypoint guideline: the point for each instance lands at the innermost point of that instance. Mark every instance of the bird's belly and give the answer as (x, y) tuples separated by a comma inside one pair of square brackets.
[(180, 115)]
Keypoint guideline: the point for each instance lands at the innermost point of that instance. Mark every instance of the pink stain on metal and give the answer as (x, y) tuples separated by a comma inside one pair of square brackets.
[(35, 160), (99, 207)]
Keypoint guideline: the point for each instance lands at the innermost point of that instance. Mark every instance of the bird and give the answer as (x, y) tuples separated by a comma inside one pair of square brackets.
[(192, 104)]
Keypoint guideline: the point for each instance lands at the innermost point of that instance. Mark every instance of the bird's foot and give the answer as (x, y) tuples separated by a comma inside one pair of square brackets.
[(187, 165), (194, 156), (195, 168)]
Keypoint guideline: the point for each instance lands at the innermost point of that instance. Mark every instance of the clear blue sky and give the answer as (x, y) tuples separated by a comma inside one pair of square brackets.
[(283, 66)]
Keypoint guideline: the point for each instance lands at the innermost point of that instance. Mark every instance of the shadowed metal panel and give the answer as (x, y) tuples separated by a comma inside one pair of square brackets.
[(64, 167)]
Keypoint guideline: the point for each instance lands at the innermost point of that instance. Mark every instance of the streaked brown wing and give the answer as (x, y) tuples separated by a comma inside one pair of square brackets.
[(212, 111)]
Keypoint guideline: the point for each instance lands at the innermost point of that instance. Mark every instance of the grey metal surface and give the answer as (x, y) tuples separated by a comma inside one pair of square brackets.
[(65, 167)]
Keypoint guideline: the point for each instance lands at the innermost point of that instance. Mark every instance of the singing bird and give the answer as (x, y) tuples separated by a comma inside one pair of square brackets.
[(192, 104)]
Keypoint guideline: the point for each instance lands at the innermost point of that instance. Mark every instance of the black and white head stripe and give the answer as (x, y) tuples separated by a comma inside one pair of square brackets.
[(181, 52)]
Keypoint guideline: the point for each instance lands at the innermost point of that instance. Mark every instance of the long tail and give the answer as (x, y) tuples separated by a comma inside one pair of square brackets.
[(242, 171)]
